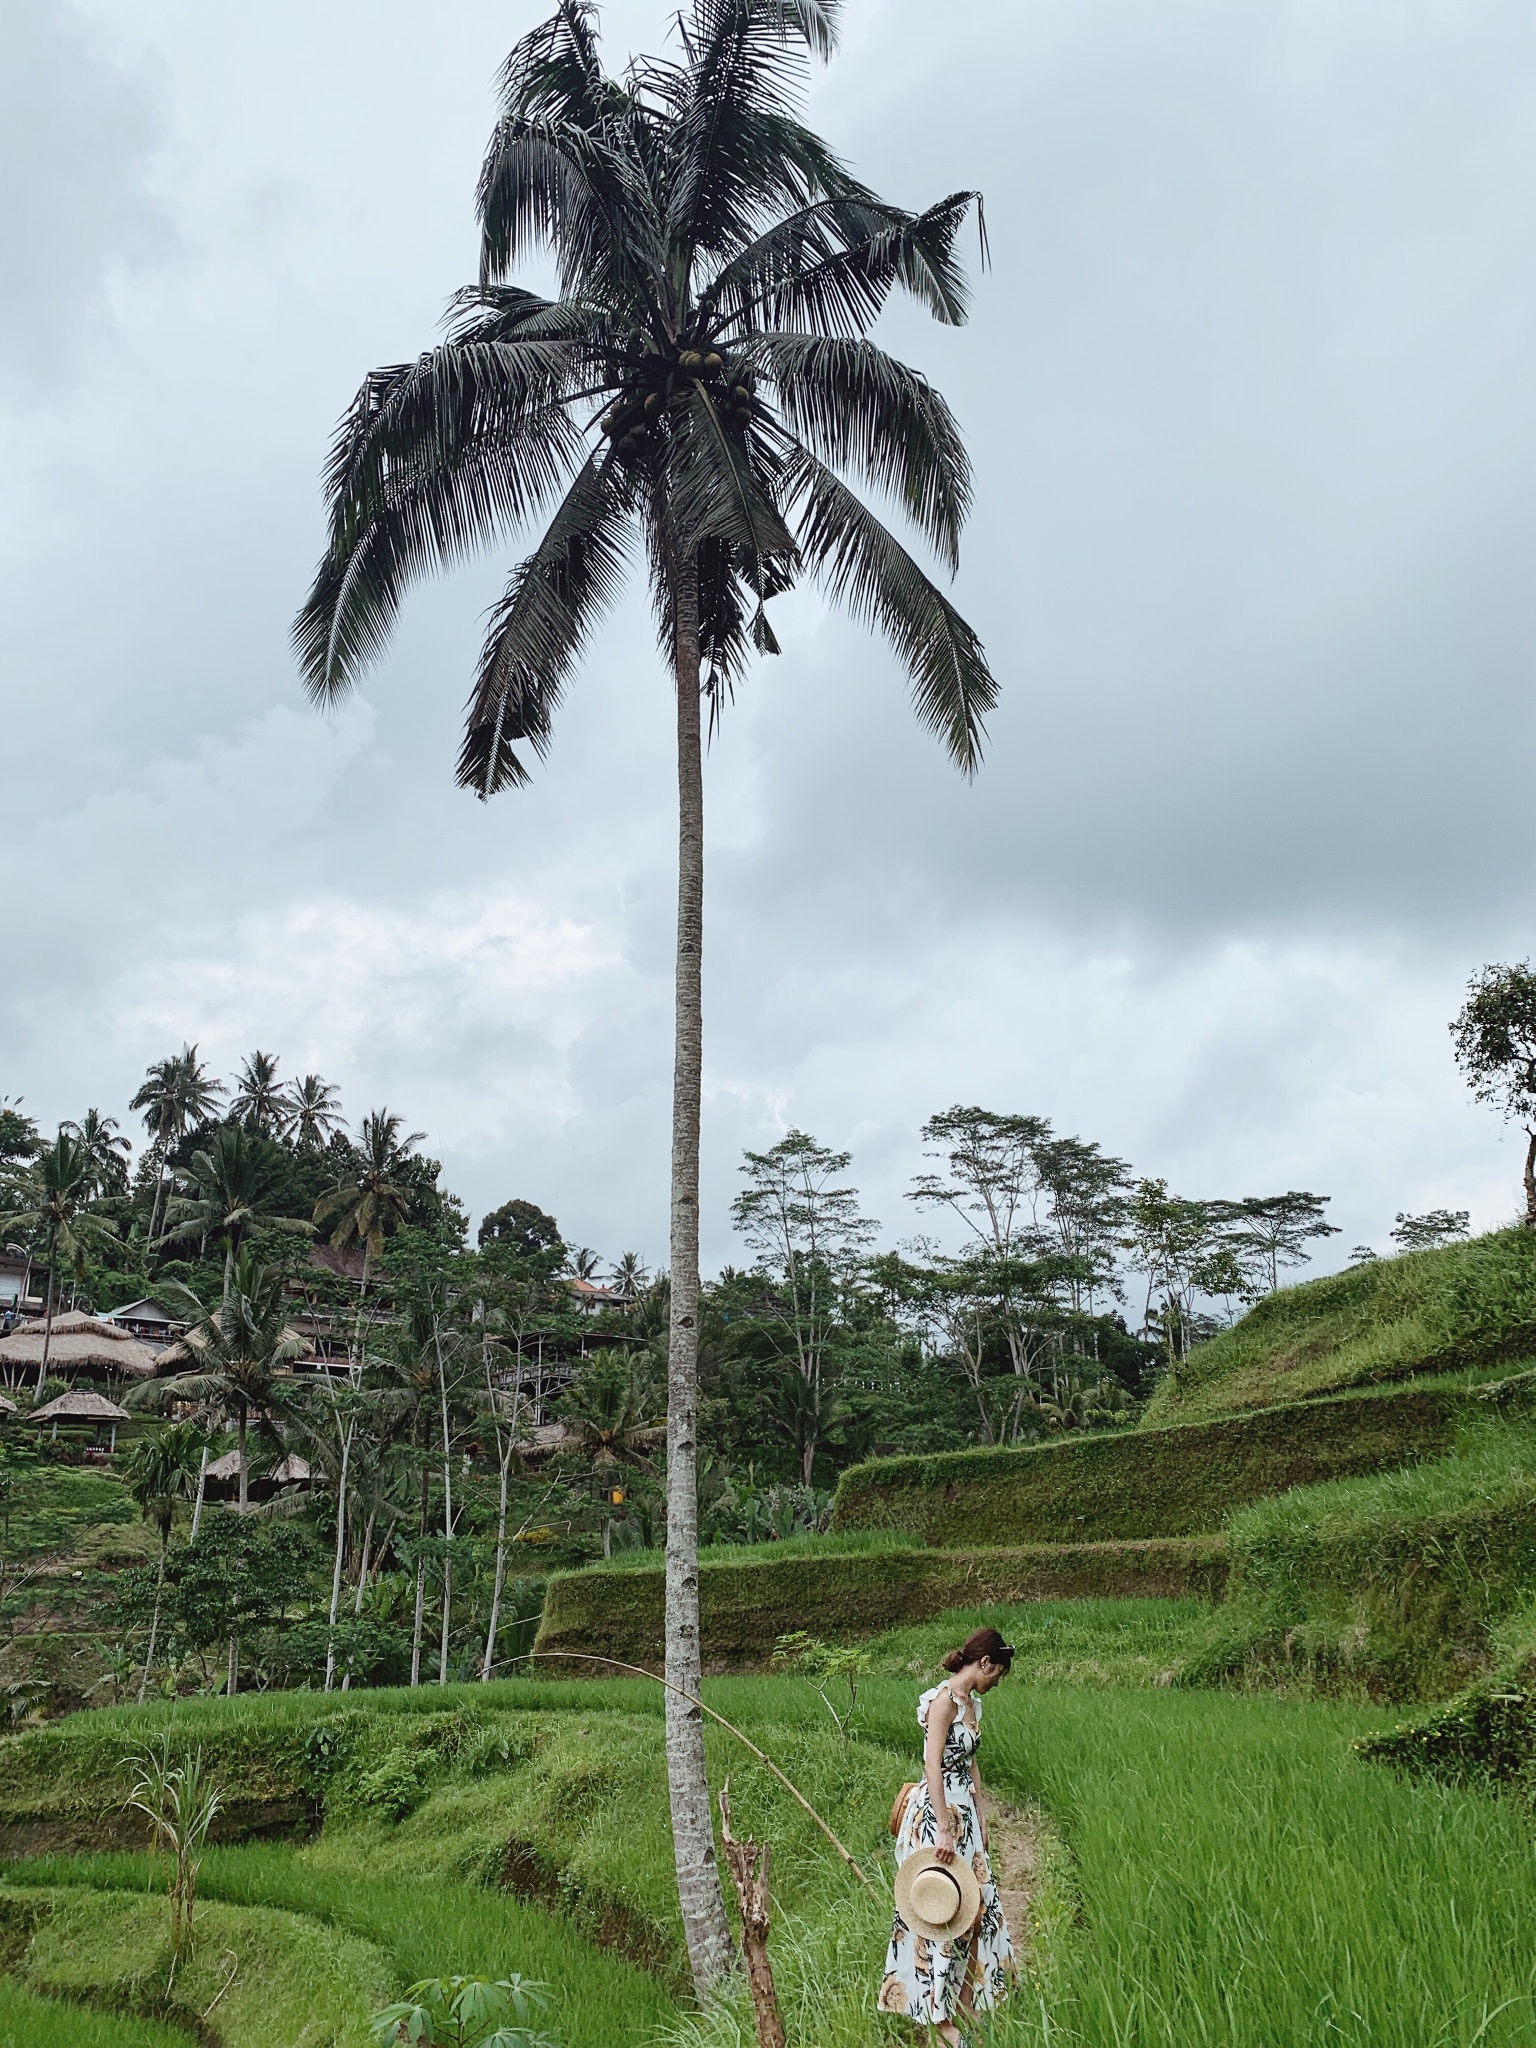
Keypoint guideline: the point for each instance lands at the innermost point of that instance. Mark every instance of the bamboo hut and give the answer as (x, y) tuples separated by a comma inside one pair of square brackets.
[(82, 1404)]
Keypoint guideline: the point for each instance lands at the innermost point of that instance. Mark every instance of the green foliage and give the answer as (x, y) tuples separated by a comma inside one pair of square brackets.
[(463, 2012), (747, 1602), (180, 1801), (1391, 1586), (30, 2021), (1469, 1305), (1137, 1642), (256, 1976), (1146, 1483), (522, 1226)]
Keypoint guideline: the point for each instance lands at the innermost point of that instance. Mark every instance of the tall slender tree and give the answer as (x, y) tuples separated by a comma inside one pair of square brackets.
[(177, 1093), (312, 1112), (53, 1199), (231, 1185), (105, 1147), (699, 380), (259, 1101)]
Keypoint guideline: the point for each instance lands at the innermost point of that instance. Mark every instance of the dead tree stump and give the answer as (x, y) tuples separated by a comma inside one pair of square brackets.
[(748, 1864)]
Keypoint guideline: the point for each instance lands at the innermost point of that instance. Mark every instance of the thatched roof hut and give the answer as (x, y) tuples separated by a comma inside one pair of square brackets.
[(7, 1407), (224, 1473), (79, 1344), (82, 1404)]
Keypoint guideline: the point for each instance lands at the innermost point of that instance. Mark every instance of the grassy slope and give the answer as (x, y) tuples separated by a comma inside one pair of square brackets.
[(1466, 1306), (1244, 1879), (268, 1976), (1392, 1586), (1057, 1642), (30, 2021)]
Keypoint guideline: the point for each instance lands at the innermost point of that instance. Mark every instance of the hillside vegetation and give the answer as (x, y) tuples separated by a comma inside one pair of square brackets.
[(1130, 1485), (1465, 1305)]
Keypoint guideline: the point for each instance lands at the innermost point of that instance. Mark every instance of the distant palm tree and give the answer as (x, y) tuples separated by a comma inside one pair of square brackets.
[(229, 1187), (581, 1262), (629, 1277), (243, 1353), (54, 1197), (163, 1467), (699, 381), (372, 1198), (176, 1095), (259, 1101), (612, 1406), (313, 1112), (103, 1142)]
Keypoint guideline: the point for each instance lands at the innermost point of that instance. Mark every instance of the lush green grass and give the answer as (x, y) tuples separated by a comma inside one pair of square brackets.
[(29, 2021), (1392, 1586), (848, 1543), (1058, 1642), (1467, 1305), (1242, 1879), (1182, 1480), (267, 1976), (55, 1507), (425, 1929)]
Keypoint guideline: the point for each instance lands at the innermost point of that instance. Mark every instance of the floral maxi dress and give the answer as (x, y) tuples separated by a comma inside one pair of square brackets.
[(935, 1981)]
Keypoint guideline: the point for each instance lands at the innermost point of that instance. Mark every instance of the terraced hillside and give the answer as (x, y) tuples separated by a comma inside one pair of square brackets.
[(1200, 1868)]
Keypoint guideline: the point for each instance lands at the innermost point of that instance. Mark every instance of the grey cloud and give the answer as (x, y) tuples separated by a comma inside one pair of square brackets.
[(79, 122), (1248, 389)]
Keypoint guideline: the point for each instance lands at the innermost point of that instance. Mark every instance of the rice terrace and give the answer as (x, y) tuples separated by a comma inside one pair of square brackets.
[(1069, 1611)]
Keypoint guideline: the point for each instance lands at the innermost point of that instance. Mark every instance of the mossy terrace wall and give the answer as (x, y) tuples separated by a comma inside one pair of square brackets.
[(1138, 1484), (744, 1608)]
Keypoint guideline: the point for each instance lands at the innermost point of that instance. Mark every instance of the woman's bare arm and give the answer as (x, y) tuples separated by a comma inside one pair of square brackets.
[(941, 1712)]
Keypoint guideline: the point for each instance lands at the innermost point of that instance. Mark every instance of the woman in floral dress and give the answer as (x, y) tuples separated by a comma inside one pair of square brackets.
[(934, 1982)]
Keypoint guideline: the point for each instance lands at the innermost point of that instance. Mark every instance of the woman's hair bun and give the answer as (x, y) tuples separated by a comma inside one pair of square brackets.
[(982, 1642)]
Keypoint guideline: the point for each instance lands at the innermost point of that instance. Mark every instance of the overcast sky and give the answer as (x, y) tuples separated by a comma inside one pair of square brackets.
[(1249, 389)]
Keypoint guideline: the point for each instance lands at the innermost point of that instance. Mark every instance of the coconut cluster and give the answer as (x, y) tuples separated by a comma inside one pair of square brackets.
[(666, 383)]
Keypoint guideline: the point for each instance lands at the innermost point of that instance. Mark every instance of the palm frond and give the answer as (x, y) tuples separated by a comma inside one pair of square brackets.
[(538, 630), (862, 565), (861, 409), (833, 265), (721, 486), (436, 460), (734, 147)]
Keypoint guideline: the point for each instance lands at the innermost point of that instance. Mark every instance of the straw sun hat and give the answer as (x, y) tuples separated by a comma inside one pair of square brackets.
[(941, 1900)]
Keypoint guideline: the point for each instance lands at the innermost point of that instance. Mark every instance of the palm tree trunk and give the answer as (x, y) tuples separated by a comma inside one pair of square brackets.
[(693, 1837), (341, 1542), (421, 1581), (232, 1682), (154, 1211), (42, 1363), (501, 1545), (154, 1624), (442, 1388), (1530, 1182), (362, 1583), (202, 1487)]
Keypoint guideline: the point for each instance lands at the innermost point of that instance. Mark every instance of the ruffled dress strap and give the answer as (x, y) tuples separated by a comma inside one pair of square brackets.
[(928, 1699)]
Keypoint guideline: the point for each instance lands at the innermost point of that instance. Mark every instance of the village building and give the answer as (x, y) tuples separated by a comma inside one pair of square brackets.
[(82, 1407), (79, 1346)]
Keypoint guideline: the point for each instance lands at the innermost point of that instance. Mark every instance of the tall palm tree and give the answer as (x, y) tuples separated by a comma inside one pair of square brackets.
[(611, 1406), (161, 1468), (229, 1187), (371, 1200), (313, 1112), (242, 1354), (699, 381), (53, 1197), (177, 1093), (629, 1277), (103, 1141), (259, 1101)]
